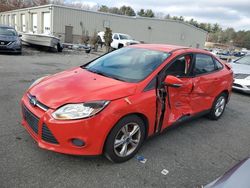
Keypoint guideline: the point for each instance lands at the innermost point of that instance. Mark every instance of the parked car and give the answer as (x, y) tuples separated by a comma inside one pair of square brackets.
[(112, 104), (241, 69), (238, 54), (10, 40), (119, 40), (238, 176)]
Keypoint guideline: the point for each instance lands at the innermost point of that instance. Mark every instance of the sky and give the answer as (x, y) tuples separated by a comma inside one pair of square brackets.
[(227, 13)]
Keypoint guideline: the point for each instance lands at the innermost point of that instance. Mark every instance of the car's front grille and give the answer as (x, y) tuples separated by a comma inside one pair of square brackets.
[(47, 135), (38, 103), (237, 85), (31, 119), (241, 76)]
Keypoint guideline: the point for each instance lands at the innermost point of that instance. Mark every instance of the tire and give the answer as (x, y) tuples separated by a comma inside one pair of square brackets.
[(59, 48), (218, 107), (19, 53), (88, 50), (127, 144), (120, 46)]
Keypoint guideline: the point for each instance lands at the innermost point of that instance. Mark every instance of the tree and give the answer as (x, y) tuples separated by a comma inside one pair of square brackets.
[(203, 26), (146, 13), (209, 28), (181, 18), (85, 34), (149, 13), (227, 35), (124, 10), (175, 18), (167, 16), (216, 28), (141, 13), (127, 10), (108, 39), (94, 41), (6, 5), (114, 10), (103, 8)]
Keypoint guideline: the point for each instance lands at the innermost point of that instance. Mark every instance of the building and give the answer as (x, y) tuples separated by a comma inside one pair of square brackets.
[(69, 23)]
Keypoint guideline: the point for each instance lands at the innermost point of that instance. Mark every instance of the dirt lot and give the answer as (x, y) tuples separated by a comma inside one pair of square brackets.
[(194, 153)]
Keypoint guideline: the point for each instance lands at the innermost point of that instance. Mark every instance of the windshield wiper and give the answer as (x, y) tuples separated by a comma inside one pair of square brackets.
[(103, 74)]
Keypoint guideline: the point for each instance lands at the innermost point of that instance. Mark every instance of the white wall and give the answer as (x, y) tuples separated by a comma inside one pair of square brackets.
[(142, 29)]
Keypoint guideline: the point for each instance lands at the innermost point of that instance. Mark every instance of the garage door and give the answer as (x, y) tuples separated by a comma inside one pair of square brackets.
[(68, 34), (46, 22)]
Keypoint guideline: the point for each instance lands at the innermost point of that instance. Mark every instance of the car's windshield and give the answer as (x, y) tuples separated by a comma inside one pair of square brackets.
[(128, 64), (125, 37), (244, 60), (7, 31)]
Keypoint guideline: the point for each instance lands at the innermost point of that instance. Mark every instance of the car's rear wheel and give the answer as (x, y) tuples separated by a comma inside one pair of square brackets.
[(125, 139), (218, 107), (120, 45)]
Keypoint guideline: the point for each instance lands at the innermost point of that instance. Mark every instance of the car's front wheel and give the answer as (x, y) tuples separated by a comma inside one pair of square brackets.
[(125, 139), (218, 107)]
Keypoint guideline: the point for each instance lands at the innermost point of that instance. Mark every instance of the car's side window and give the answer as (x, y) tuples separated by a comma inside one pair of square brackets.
[(180, 67), (116, 37), (203, 64), (218, 65)]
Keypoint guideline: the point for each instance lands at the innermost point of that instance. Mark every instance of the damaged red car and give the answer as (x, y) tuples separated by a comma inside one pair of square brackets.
[(113, 103)]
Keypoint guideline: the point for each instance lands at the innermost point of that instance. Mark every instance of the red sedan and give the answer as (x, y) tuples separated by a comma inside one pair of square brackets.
[(112, 104)]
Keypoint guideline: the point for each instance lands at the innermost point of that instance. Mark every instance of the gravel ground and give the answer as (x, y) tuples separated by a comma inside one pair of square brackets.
[(194, 153)]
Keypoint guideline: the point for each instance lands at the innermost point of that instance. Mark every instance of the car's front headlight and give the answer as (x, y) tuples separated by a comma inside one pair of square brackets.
[(79, 111), (37, 81), (127, 43)]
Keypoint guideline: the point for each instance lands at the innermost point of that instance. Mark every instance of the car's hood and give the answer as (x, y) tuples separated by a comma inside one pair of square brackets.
[(8, 38), (79, 85), (131, 41), (238, 176), (240, 68)]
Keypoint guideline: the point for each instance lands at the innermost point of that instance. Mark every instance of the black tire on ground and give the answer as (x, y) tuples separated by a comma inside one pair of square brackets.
[(214, 114), (120, 45), (88, 50), (59, 48), (109, 148)]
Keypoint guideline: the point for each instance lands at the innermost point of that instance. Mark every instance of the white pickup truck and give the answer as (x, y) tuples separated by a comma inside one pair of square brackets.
[(119, 40)]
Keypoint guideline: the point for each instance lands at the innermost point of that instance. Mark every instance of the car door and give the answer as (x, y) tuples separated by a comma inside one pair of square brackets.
[(206, 78), (174, 103), (115, 41)]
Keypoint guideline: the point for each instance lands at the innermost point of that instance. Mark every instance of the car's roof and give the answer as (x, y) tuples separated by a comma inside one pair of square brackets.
[(120, 33), (167, 48)]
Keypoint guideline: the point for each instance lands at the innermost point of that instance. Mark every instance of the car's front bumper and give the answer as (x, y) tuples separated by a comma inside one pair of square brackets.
[(242, 85), (11, 48), (57, 135)]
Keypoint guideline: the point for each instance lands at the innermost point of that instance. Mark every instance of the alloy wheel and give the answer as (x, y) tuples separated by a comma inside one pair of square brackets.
[(220, 105), (127, 139)]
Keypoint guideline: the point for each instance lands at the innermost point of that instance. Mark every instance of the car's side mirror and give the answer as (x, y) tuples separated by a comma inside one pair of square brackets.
[(173, 81)]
